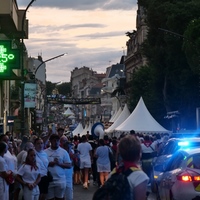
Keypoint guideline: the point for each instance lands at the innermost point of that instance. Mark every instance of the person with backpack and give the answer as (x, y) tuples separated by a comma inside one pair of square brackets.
[(127, 181)]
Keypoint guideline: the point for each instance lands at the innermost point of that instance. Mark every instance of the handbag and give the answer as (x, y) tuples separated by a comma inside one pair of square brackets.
[(49, 176), (10, 178)]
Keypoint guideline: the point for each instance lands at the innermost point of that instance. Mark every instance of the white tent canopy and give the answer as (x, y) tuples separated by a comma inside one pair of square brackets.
[(117, 115), (68, 112), (111, 119), (122, 117), (87, 128), (141, 121), (77, 130)]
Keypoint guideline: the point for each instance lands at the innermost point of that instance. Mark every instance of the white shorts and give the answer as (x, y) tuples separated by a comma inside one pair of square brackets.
[(103, 168), (31, 194), (56, 189), (85, 164)]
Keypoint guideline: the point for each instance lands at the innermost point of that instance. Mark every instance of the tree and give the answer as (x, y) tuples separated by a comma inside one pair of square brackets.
[(174, 82), (64, 88)]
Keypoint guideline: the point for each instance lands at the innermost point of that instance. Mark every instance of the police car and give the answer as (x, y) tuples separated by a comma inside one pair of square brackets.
[(173, 145), (180, 179)]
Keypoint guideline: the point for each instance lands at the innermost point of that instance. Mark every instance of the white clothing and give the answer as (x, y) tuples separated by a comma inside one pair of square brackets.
[(84, 148), (136, 178), (29, 176), (62, 155), (56, 190), (4, 194), (21, 157), (69, 184), (11, 161), (43, 162), (69, 193)]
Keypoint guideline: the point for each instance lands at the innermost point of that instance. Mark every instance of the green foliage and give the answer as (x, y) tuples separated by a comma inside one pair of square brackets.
[(173, 81), (192, 44), (64, 88), (49, 87)]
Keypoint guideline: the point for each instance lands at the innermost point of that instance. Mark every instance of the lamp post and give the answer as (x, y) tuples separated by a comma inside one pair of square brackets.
[(44, 90), (58, 56), (22, 72)]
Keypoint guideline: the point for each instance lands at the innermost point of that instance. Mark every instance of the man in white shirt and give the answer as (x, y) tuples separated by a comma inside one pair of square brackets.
[(59, 160)]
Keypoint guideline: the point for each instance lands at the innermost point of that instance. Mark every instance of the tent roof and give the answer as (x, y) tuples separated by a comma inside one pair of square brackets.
[(141, 121), (117, 115), (78, 129), (68, 112), (122, 117), (87, 128)]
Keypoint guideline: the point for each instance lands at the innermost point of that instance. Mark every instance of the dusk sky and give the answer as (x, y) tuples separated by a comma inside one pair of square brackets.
[(92, 32)]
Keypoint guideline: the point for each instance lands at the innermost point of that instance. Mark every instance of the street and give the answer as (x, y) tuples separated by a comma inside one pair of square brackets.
[(87, 194)]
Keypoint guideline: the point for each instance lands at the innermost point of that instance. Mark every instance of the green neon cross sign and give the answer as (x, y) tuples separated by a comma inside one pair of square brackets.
[(9, 58), (4, 58)]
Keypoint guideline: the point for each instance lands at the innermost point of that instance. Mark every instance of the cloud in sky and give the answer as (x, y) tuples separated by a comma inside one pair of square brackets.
[(84, 4), (93, 37)]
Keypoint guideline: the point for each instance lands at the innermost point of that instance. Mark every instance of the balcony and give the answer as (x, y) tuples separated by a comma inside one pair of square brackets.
[(11, 20)]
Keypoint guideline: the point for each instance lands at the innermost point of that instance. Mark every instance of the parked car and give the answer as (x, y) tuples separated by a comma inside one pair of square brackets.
[(180, 179), (173, 145)]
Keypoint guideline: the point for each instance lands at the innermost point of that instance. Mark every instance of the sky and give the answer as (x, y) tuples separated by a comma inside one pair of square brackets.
[(91, 32)]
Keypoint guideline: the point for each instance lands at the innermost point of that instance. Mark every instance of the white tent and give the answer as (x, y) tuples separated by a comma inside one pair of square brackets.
[(117, 115), (77, 130), (68, 112), (122, 117), (87, 128), (111, 119), (141, 121)]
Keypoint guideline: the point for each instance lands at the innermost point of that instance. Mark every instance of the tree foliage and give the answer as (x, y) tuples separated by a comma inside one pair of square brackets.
[(173, 81), (64, 88)]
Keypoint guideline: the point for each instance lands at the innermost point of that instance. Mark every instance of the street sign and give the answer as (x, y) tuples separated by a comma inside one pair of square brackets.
[(57, 100)]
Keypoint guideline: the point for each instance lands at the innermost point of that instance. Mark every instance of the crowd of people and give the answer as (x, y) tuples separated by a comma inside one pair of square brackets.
[(47, 166)]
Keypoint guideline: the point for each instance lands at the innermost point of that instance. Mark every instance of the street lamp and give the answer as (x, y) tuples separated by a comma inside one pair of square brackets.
[(45, 99), (22, 72), (58, 56)]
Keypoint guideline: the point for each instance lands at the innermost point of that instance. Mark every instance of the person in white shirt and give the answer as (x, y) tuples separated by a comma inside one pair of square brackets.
[(59, 160), (11, 162), (148, 153), (85, 150), (130, 150), (43, 162), (21, 158), (4, 194), (28, 175), (69, 172)]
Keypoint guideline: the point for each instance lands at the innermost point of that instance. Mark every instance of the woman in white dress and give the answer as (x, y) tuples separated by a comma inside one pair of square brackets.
[(4, 194), (43, 162), (29, 176)]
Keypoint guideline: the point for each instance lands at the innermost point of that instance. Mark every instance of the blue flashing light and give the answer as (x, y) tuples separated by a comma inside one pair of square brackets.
[(183, 144)]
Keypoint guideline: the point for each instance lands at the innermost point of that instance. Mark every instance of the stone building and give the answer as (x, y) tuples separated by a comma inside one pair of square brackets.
[(87, 83), (134, 58)]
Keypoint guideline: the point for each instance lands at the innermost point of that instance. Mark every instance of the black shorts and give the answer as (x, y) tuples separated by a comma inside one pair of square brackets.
[(43, 185)]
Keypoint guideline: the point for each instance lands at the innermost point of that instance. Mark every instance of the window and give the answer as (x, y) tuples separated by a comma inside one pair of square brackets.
[(175, 162)]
